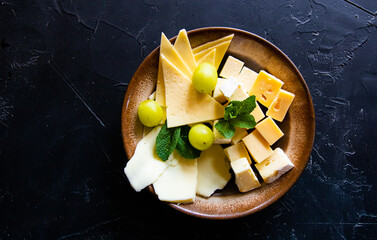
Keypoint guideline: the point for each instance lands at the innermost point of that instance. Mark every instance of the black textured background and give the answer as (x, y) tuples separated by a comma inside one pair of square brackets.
[(64, 70)]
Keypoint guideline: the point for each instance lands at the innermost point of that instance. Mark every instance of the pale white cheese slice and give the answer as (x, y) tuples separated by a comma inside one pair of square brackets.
[(229, 86), (145, 166), (213, 171), (178, 182)]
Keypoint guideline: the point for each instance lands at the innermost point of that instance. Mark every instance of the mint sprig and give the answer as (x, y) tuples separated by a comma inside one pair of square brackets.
[(237, 114)]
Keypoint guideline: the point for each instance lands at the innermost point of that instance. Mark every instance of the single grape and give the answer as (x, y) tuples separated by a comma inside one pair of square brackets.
[(150, 113), (205, 78), (201, 137)]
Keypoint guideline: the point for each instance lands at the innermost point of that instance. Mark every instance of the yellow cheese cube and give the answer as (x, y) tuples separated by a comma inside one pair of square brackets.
[(236, 152), (239, 94), (218, 137), (238, 135), (232, 68), (257, 113), (274, 166), (269, 130), (258, 147), (247, 78), (217, 94), (279, 107), (245, 176), (265, 88)]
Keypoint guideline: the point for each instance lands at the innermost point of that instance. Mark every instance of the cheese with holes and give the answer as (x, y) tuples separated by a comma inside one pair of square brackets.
[(279, 107), (245, 176), (208, 58), (218, 137), (211, 44), (229, 86), (185, 105), (247, 78), (213, 171), (258, 147), (257, 113), (265, 88), (236, 152), (183, 47), (178, 182), (274, 166), (217, 94), (269, 130), (238, 135), (231, 68), (220, 52), (145, 166)]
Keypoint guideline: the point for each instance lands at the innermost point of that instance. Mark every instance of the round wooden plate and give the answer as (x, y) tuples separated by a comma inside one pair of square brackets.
[(298, 126)]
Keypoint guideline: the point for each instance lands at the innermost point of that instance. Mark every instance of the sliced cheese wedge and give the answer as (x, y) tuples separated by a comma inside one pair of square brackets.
[(185, 105), (213, 171), (183, 47), (178, 182), (208, 58), (145, 166), (220, 52), (212, 43)]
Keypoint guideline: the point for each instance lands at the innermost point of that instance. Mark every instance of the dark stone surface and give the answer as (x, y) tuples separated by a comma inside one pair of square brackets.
[(65, 66)]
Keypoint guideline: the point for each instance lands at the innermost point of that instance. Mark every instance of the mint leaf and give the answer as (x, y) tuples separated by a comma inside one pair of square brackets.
[(247, 105), (225, 128), (244, 121), (166, 141), (184, 147)]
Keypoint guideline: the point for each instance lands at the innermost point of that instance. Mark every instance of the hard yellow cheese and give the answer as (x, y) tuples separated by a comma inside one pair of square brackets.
[(245, 176), (236, 152), (265, 88), (208, 58), (257, 113), (279, 107), (269, 130), (231, 68), (220, 52), (185, 105), (258, 147), (247, 78), (238, 135), (183, 47), (212, 43)]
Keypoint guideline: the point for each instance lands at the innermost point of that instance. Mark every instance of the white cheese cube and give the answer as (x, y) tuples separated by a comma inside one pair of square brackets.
[(245, 176), (229, 86), (217, 94), (236, 152), (274, 166)]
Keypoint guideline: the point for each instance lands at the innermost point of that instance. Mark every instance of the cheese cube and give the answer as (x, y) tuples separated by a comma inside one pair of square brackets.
[(239, 94), (245, 176), (274, 166), (236, 152), (218, 137), (257, 113), (217, 94), (279, 107), (229, 86), (238, 135), (269, 130), (247, 78), (265, 88), (258, 147), (232, 68)]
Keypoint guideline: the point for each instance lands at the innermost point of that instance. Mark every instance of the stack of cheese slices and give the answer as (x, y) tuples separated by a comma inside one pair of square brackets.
[(180, 180)]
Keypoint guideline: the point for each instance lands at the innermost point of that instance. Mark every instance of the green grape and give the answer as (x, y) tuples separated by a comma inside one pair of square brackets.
[(204, 78), (150, 113), (201, 137)]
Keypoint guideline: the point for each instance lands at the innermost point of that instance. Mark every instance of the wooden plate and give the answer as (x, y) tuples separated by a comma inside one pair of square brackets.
[(298, 126)]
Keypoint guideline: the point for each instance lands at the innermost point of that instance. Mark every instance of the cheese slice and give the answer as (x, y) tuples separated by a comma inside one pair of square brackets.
[(185, 105), (231, 68), (265, 88), (279, 107), (213, 171), (220, 52), (217, 94), (258, 147), (269, 130), (208, 58), (245, 176), (183, 47), (170, 53), (238, 135), (236, 152), (274, 166), (212, 43), (145, 166), (247, 78), (218, 137), (178, 182)]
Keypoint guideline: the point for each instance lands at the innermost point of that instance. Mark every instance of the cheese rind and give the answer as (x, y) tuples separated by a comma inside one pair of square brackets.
[(274, 166), (238, 135), (231, 68), (218, 137), (183, 47), (145, 166), (265, 88), (178, 182), (212, 43), (279, 107), (185, 105), (258, 147), (229, 86), (245, 176), (236, 152), (247, 78), (208, 58), (220, 52), (269, 130), (213, 171), (217, 94)]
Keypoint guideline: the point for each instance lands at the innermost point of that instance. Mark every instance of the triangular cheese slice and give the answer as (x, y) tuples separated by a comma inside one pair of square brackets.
[(208, 58), (170, 53), (220, 52), (185, 105), (212, 43), (183, 47)]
